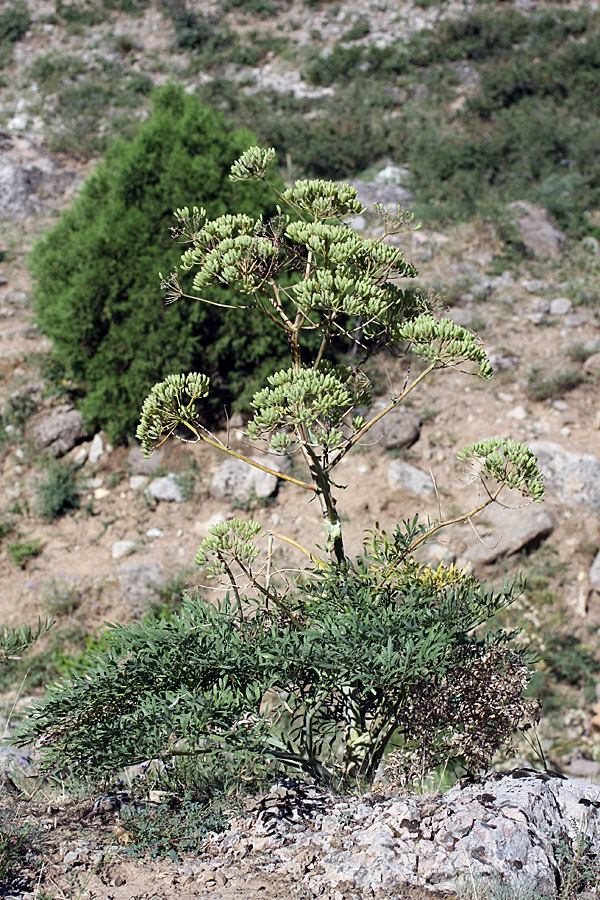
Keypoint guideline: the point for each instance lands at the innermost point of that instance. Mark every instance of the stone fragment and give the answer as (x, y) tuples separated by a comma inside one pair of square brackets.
[(123, 548), (402, 475), (165, 488), (594, 573), (137, 482), (77, 456), (101, 493), (96, 448), (560, 306), (504, 532), (592, 364), (59, 430), (538, 230), (155, 533), (502, 361), (236, 480), (399, 428), (534, 286)]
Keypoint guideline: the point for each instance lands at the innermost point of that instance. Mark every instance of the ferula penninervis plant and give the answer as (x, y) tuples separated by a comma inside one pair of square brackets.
[(352, 659)]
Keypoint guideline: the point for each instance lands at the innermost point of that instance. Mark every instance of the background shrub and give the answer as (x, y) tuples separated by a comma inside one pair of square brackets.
[(57, 493), (98, 296)]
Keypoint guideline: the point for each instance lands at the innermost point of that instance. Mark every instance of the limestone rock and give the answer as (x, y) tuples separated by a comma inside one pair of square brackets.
[(594, 574), (399, 428), (510, 828), (538, 230), (96, 448), (572, 477), (165, 488), (560, 306), (138, 582), (592, 364), (385, 192), (236, 480), (137, 482), (503, 532), (29, 177), (59, 430), (403, 476), (123, 548), (18, 187)]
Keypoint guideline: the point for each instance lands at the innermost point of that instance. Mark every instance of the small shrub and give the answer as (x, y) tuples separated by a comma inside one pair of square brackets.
[(578, 352), (552, 386), (57, 493), (21, 552), (15, 22), (21, 842), (62, 596)]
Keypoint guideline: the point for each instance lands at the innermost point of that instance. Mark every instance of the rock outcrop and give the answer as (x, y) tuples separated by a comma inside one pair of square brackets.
[(514, 829)]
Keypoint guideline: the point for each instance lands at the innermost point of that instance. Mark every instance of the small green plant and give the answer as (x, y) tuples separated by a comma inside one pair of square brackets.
[(326, 670), (21, 842), (57, 493), (542, 386), (62, 596), (577, 863), (176, 830), (14, 25), (24, 550)]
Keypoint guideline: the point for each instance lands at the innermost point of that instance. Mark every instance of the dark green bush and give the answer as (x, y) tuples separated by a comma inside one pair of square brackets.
[(98, 296), (14, 22)]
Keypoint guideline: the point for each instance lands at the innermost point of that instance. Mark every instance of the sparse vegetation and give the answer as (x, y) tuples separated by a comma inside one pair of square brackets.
[(57, 493), (552, 386), (24, 550)]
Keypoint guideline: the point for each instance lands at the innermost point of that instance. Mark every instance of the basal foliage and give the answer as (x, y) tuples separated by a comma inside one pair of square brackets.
[(352, 659)]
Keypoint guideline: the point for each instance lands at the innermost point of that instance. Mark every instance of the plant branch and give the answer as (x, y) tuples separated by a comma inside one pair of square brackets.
[(368, 425)]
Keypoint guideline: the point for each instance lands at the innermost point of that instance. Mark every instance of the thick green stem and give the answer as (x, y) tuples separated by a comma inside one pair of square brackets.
[(331, 520)]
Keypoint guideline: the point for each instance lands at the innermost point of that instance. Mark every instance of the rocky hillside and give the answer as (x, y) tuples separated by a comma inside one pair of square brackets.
[(416, 111)]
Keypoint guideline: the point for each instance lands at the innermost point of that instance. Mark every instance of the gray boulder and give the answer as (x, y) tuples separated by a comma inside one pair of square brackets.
[(594, 574), (538, 230), (236, 480), (503, 532), (18, 188), (166, 488), (403, 476), (571, 477), (399, 428), (59, 430), (592, 364), (389, 188), (139, 583)]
